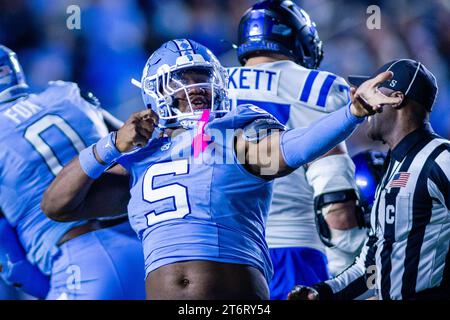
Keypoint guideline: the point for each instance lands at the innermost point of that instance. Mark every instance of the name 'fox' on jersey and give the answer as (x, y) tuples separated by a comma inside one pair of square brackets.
[(39, 134), (296, 96), (187, 208)]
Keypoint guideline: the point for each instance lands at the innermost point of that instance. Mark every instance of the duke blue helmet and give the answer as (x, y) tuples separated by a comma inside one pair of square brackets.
[(12, 79), (182, 79), (368, 173), (282, 27)]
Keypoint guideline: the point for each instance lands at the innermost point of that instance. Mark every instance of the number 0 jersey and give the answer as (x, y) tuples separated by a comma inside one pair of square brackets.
[(39, 134), (212, 209), (297, 97)]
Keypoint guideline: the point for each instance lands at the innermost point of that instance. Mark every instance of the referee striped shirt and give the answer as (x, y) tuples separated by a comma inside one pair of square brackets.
[(407, 253)]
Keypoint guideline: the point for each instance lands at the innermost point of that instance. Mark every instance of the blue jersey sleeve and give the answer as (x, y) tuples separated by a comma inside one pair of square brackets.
[(302, 145), (15, 269), (247, 116)]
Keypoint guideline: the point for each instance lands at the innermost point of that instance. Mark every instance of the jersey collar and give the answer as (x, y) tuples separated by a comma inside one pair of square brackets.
[(411, 139)]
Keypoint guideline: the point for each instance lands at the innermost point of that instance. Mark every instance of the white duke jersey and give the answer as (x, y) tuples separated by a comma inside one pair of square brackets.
[(296, 96)]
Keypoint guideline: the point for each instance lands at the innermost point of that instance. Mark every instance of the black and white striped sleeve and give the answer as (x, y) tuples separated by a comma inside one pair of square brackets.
[(439, 178), (353, 281)]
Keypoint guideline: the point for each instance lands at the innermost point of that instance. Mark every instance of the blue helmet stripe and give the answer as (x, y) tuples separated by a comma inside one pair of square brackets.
[(184, 46), (192, 47), (178, 47)]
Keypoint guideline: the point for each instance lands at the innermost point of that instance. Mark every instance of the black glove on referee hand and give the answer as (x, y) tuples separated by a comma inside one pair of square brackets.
[(303, 293)]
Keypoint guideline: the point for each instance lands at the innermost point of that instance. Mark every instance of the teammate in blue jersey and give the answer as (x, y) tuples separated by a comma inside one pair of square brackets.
[(200, 175), (280, 52), (39, 134), (15, 270)]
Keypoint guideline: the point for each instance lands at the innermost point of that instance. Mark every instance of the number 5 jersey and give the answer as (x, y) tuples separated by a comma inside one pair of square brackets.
[(190, 206)]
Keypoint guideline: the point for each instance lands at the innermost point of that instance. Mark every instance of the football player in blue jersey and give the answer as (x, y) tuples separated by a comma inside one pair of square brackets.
[(200, 176), (15, 269), (315, 226), (39, 134)]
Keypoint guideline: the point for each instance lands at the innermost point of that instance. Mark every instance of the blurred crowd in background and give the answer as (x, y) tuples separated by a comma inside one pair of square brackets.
[(117, 36)]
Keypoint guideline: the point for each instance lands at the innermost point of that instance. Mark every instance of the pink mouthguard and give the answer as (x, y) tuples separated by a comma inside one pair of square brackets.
[(200, 141)]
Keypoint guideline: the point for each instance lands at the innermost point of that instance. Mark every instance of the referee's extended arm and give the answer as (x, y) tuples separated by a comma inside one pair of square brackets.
[(350, 284)]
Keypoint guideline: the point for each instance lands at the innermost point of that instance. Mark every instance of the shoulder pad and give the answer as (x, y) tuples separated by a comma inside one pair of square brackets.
[(261, 128), (74, 89), (60, 83), (243, 115), (339, 95), (247, 113), (62, 88), (256, 123)]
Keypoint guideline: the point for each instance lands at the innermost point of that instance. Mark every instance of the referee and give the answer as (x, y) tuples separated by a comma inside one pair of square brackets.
[(407, 253)]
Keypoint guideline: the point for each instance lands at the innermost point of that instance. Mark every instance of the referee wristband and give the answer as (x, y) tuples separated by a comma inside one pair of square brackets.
[(107, 152)]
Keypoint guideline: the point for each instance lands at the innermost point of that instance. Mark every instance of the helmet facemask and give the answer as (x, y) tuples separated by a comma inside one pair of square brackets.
[(182, 92)]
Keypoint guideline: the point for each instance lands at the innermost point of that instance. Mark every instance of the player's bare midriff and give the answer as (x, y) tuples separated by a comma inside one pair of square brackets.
[(206, 280)]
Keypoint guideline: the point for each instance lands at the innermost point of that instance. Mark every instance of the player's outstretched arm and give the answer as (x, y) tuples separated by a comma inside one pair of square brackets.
[(282, 152), (83, 190), (350, 284)]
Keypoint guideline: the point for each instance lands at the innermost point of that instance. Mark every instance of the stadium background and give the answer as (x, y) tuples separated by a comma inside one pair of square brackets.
[(116, 37)]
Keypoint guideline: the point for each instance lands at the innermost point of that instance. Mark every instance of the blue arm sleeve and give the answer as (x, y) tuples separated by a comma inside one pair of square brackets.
[(15, 269), (303, 145)]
